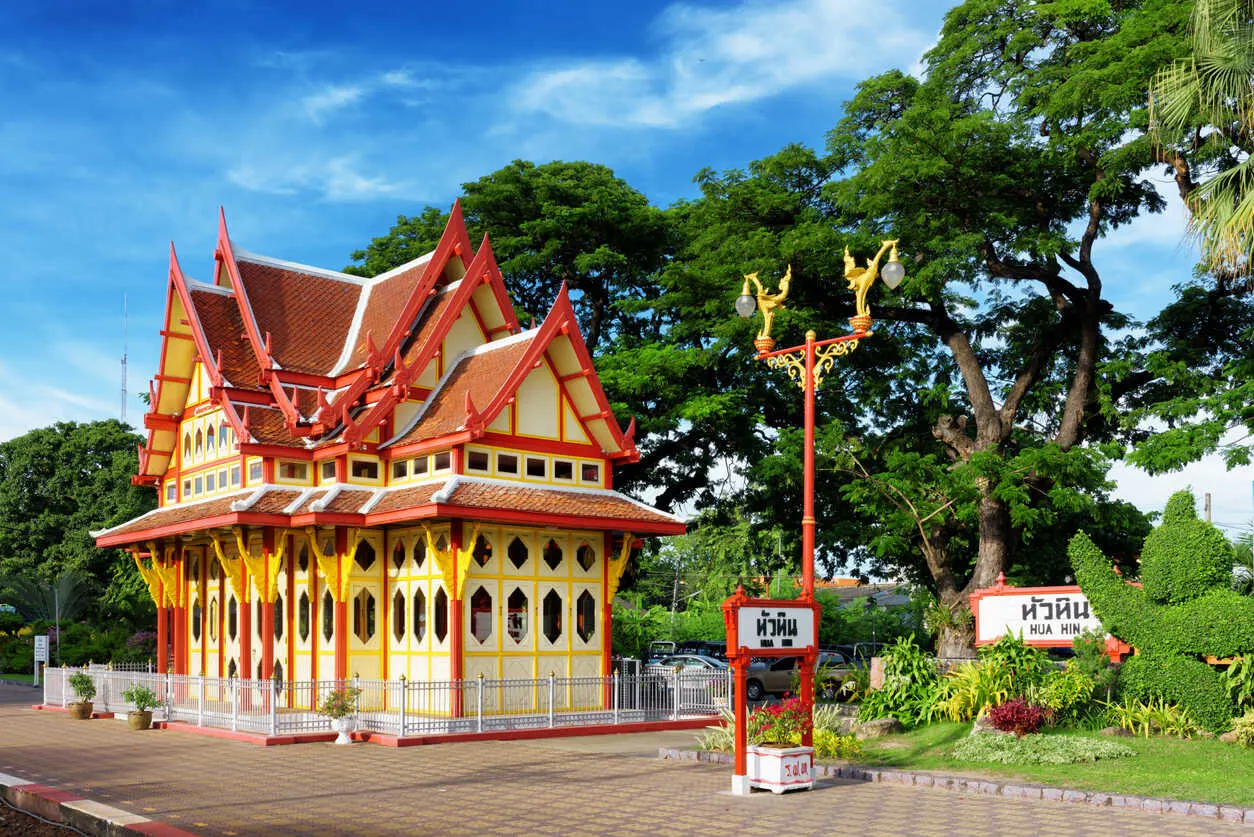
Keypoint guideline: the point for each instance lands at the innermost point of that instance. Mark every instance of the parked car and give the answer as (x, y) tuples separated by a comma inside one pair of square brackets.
[(691, 661), (708, 648), (775, 676)]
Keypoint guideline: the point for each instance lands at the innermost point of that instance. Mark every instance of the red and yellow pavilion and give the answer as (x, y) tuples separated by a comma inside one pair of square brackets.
[(379, 477)]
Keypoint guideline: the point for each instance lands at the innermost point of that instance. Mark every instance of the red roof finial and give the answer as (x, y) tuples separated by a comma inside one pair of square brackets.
[(1001, 580)]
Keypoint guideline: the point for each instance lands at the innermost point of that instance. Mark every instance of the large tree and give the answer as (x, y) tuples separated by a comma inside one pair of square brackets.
[(59, 483)]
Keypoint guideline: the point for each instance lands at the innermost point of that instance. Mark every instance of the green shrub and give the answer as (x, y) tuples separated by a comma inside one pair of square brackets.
[(1067, 693), (1239, 679), (910, 686), (1025, 666), (1243, 729), (1173, 679), (1007, 669), (1038, 749), (142, 697), (1153, 717), (83, 685), (1091, 659), (1184, 557), (829, 744)]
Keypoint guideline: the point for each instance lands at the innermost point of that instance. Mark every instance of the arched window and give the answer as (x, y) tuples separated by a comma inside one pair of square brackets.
[(302, 616), (585, 616), (420, 615), (328, 616), (441, 615), (232, 617), (516, 619), (187, 446), (213, 619), (279, 617), (200, 444), (398, 615), (481, 615), (226, 438), (196, 620), (211, 442), (363, 616), (552, 616)]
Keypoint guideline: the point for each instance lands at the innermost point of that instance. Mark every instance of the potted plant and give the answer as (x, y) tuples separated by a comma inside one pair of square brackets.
[(339, 705), (145, 700), (84, 689), (776, 759)]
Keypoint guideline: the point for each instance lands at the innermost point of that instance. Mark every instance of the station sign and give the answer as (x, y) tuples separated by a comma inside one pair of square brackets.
[(772, 626), (1044, 616), (41, 648)]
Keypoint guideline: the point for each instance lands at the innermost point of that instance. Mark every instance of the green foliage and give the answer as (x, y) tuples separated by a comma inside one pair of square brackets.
[(1152, 717), (829, 744), (10, 623), (1160, 679), (1066, 693), (1239, 679), (59, 483), (142, 697), (1038, 749), (1243, 729), (1184, 557), (1006, 669), (82, 684), (1091, 659), (779, 723), (339, 703), (910, 686)]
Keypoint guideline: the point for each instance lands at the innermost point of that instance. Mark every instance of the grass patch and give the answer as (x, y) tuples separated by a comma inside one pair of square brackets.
[(1039, 749), (18, 678), (1200, 770)]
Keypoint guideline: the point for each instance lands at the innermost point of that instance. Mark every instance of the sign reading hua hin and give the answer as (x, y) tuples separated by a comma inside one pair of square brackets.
[(1046, 616)]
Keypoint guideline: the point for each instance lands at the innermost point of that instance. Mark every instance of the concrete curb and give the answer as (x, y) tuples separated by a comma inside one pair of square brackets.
[(84, 814), (995, 787)]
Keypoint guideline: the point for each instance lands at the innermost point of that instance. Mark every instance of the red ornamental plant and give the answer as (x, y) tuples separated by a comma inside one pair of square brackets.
[(779, 723), (1018, 716)]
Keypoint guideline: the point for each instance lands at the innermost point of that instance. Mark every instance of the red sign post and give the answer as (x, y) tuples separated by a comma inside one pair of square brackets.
[(767, 628)]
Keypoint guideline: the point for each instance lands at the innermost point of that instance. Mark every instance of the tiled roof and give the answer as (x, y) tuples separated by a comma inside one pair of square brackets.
[(271, 502), (481, 374), (307, 316), (476, 493), (224, 332), (387, 298)]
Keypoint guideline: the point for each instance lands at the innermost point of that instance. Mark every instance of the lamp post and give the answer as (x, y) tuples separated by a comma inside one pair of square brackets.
[(807, 364)]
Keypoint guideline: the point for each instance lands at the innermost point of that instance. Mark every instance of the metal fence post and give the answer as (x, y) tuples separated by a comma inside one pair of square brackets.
[(234, 704), (404, 703), (676, 675), (614, 682), (274, 706), (200, 701), (552, 689), (479, 705), (169, 701)]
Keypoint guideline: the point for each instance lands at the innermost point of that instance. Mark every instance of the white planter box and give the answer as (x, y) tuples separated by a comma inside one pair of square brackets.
[(780, 769)]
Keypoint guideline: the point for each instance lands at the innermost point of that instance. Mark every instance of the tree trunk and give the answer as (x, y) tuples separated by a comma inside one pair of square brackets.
[(956, 641)]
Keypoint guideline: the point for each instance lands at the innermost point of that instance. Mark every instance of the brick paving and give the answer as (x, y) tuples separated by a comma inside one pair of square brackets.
[(602, 785)]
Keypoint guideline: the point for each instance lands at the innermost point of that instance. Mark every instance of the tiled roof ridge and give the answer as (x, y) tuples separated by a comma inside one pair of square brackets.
[(242, 255), (207, 287), (181, 504), (461, 358), (460, 479)]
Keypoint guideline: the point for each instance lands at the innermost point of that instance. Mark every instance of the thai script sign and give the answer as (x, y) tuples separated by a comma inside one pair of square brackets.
[(1041, 615), (776, 627)]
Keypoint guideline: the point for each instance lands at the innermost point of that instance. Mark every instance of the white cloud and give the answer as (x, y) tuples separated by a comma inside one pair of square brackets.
[(717, 57), (330, 99)]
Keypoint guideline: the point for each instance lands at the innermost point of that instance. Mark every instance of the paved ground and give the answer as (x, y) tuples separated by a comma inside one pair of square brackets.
[(603, 785)]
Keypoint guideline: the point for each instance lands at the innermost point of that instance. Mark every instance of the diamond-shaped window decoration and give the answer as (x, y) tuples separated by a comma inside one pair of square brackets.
[(585, 616), (364, 555), (363, 616), (441, 615), (302, 616), (420, 552), (398, 615), (518, 553), (516, 620), (213, 619), (196, 620), (552, 554), (482, 552), (420, 615), (328, 616), (552, 616), (302, 560), (481, 615), (398, 554), (232, 617), (231, 669), (441, 543), (279, 617), (586, 556)]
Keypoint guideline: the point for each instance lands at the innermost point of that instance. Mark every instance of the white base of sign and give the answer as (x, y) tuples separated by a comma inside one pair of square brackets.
[(740, 785)]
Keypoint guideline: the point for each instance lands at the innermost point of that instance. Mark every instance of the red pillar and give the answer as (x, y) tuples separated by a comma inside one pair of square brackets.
[(181, 654), (341, 606), (163, 637), (245, 625), (457, 666), (267, 610), (607, 608)]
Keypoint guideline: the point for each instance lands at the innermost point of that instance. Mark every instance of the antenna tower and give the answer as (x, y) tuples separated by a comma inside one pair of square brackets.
[(124, 358)]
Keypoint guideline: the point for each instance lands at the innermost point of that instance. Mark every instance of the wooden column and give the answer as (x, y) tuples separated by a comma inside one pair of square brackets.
[(163, 637)]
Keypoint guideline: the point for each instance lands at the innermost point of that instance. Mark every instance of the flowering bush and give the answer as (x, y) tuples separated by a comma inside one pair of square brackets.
[(339, 703), (779, 723), (1018, 716)]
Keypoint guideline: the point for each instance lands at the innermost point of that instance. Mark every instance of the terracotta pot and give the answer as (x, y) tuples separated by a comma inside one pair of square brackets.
[(80, 710), (139, 719)]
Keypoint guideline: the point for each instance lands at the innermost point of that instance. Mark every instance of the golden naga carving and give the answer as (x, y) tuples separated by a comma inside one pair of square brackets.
[(453, 567), (264, 575), (768, 304), (862, 278), (151, 577), (616, 567), (230, 568), (334, 574)]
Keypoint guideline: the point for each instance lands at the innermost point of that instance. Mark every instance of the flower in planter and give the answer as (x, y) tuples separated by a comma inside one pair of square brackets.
[(339, 703), (779, 723)]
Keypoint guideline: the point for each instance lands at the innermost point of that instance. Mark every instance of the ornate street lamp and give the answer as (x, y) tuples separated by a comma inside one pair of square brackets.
[(807, 364)]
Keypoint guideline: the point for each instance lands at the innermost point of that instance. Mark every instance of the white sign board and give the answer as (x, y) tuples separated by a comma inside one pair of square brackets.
[(776, 628), (41, 648), (1040, 618)]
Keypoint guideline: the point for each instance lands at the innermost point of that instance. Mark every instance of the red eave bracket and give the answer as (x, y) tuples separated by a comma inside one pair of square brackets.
[(144, 479)]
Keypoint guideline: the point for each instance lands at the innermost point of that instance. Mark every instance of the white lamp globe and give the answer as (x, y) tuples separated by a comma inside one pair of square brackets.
[(893, 273)]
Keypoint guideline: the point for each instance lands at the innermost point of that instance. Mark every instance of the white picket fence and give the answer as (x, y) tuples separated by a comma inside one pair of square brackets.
[(411, 707)]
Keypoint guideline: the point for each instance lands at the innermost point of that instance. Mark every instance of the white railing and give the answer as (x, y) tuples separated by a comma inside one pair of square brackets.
[(411, 708)]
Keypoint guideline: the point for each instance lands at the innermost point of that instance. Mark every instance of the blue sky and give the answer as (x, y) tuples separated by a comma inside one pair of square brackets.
[(127, 123)]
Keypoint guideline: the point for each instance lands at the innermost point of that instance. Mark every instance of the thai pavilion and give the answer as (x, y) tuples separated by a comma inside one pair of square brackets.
[(379, 477)]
